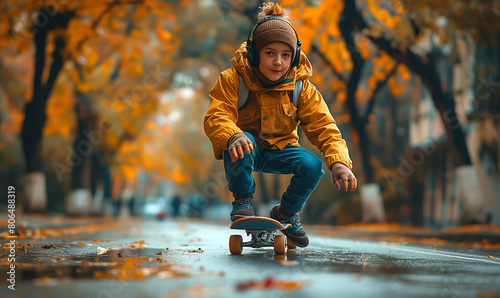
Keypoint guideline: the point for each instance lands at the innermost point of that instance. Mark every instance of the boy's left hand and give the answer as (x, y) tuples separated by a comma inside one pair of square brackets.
[(342, 172)]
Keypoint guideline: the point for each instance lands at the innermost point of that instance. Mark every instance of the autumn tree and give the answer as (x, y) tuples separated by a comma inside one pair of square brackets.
[(62, 32)]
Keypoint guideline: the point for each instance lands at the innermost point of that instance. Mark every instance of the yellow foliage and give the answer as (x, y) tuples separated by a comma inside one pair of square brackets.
[(137, 33), (317, 78), (135, 52), (378, 75), (365, 53), (92, 58), (337, 85), (372, 83), (404, 72), (140, 13), (133, 160), (344, 118), (129, 172), (163, 34), (179, 178), (359, 93), (13, 124), (341, 96), (28, 96), (151, 125), (137, 69), (394, 88), (111, 140), (84, 87)]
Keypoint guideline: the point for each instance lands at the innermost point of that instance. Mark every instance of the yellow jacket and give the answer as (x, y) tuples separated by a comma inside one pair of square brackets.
[(269, 115)]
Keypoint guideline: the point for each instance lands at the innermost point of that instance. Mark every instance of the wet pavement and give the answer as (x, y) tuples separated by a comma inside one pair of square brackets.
[(181, 258)]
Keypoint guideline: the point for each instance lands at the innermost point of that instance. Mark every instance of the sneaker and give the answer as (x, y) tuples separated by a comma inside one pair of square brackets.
[(295, 233), (243, 208)]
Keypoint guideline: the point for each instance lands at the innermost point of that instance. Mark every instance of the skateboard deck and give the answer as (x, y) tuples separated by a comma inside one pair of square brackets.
[(258, 223), (263, 231)]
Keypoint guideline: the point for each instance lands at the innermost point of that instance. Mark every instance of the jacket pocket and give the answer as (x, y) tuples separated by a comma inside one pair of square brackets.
[(290, 117)]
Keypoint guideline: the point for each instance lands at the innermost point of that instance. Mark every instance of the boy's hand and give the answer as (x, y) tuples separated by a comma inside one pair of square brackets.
[(341, 172), (237, 143)]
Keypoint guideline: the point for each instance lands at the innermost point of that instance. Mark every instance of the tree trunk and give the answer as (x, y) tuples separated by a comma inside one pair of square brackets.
[(34, 111), (79, 200), (372, 209), (352, 86), (31, 134)]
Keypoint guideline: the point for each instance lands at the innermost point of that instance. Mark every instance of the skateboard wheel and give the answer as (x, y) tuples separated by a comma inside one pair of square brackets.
[(235, 244), (290, 245), (280, 244)]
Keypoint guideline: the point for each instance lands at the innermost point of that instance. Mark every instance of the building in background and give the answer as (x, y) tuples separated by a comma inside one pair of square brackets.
[(442, 201)]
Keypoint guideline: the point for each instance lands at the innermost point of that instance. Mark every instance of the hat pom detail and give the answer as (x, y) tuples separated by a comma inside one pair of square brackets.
[(270, 9)]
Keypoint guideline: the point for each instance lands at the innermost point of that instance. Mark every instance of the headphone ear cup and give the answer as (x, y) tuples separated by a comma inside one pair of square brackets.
[(296, 58), (252, 54)]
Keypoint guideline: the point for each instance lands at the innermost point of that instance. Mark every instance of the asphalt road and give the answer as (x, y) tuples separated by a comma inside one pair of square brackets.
[(149, 258)]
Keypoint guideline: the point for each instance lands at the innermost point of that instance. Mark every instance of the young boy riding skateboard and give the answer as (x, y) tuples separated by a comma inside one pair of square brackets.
[(256, 130)]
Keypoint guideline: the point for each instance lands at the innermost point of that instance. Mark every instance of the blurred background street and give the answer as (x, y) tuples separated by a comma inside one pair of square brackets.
[(102, 145)]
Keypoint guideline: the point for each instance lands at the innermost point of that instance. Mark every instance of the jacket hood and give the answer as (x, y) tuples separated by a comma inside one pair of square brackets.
[(240, 62)]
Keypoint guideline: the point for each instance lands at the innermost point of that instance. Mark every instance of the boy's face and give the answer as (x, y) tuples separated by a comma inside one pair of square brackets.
[(275, 59)]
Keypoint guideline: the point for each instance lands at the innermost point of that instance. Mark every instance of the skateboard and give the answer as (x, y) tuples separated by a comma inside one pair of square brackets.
[(263, 231)]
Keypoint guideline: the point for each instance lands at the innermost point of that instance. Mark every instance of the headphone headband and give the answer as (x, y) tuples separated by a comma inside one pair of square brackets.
[(253, 55)]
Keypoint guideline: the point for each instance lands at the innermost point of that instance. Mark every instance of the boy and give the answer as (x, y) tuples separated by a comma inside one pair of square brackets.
[(261, 135)]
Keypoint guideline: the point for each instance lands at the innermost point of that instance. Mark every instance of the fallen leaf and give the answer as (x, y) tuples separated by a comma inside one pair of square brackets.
[(102, 241), (48, 246), (199, 250), (138, 245), (269, 282), (102, 250), (84, 244)]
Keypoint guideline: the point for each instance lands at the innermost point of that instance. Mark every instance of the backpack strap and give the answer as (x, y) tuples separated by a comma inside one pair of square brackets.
[(296, 92), (243, 92)]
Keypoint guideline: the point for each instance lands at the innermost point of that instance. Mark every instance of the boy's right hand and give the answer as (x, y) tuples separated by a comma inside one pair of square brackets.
[(237, 143)]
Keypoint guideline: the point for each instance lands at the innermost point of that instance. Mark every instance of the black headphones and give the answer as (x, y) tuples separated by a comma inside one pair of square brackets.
[(253, 54)]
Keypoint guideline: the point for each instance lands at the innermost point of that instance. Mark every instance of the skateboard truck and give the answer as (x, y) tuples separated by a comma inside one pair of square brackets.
[(260, 238)]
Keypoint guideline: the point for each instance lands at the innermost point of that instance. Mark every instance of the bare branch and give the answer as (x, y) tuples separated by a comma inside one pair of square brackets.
[(379, 86)]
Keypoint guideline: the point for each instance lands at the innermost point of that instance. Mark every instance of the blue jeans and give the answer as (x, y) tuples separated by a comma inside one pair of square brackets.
[(307, 170)]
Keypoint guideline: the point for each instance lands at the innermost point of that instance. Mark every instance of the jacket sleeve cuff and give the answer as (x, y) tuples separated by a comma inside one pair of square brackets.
[(330, 160), (223, 138)]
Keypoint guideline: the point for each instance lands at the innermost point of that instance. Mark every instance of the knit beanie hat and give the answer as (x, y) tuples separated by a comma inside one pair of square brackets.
[(274, 30)]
